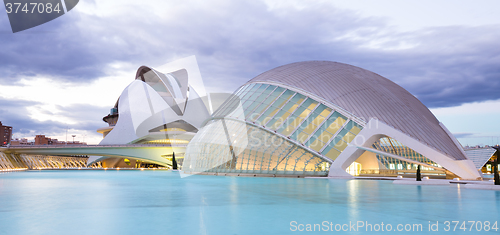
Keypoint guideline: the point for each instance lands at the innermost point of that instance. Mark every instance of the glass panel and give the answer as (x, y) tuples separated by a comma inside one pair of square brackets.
[(312, 122), (315, 119), (279, 103), (242, 94), (246, 95), (229, 108), (257, 93), (264, 118), (331, 153), (251, 91), (266, 93), (247, 104), (291, 123), (244, 89), (325, 112), (349, 137), (251, 86), (356, 129), (278, 120), (335, 122), (309, 104), (325, 136), (338, 143), (312, 105), (238, 113), (299, 136), (256, 113), (285, 112), (319, 139), (345, 135), (251, 107), (298, 116), (341, 134), (269, 89), (294, 103), (317, 145), (270, 99), (349, 125), (287, 95), (277, 92)]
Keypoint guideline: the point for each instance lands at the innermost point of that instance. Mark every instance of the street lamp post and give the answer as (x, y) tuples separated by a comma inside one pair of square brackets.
[(73, 138)]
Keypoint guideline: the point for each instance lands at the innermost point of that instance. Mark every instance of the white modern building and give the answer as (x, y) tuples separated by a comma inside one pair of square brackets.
[(316, 118), (157, 108)]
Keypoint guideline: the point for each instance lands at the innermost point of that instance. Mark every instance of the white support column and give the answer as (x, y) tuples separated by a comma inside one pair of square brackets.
[(375, 130)]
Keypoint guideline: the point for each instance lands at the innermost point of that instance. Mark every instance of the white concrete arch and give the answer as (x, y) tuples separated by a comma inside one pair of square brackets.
[(375, 129)]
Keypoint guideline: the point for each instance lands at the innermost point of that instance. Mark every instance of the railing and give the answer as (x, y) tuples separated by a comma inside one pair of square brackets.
[(398, 172), (89, 146)]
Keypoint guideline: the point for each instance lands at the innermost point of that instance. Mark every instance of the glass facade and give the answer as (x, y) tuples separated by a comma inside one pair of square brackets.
[(292, 115), (249, 150), (392, 146), (306, 128)]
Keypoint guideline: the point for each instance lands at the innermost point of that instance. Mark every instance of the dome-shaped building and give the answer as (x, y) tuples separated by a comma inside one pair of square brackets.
[(320, 118)]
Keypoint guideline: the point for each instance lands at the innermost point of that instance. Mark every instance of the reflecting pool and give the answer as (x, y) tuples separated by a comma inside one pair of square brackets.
[(161, 202)]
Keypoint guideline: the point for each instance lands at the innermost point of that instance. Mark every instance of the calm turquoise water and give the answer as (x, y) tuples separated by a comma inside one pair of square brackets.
[(160, 202)]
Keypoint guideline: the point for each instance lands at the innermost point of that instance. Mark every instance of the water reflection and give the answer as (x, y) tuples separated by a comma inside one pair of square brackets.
[(419, 193), (497, 201), (161, 202), (352, 199)]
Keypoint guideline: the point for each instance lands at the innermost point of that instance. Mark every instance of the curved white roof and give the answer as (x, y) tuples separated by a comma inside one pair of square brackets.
[(366, 95)]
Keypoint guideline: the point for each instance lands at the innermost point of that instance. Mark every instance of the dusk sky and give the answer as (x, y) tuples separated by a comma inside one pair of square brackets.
[(68, 73)]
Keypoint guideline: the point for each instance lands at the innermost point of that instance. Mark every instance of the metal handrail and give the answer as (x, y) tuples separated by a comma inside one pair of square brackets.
[(87, 146)]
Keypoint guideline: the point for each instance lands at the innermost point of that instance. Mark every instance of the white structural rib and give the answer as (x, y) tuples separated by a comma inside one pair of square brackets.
[(397, 157), (375, 129)]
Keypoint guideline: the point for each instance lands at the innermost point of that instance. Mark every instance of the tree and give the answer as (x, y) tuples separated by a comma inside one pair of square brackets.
[(174, 162), (419, 176), (495, 171)]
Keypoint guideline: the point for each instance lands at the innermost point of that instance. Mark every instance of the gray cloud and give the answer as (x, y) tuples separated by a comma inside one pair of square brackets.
[(463, 135), (449, 67), (14, 113)]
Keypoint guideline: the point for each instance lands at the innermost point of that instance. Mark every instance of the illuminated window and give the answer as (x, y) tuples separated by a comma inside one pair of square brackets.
[(264, 154), (298, 117), (275, 107), (287, 110), (354, 169), (265, 104)]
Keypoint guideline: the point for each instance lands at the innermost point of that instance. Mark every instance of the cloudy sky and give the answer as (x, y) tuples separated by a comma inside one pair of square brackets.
[(68, 73)]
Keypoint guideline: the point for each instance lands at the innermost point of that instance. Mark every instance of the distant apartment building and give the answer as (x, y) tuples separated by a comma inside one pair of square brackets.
[(22, 141), (42, 140), (5, 134)]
